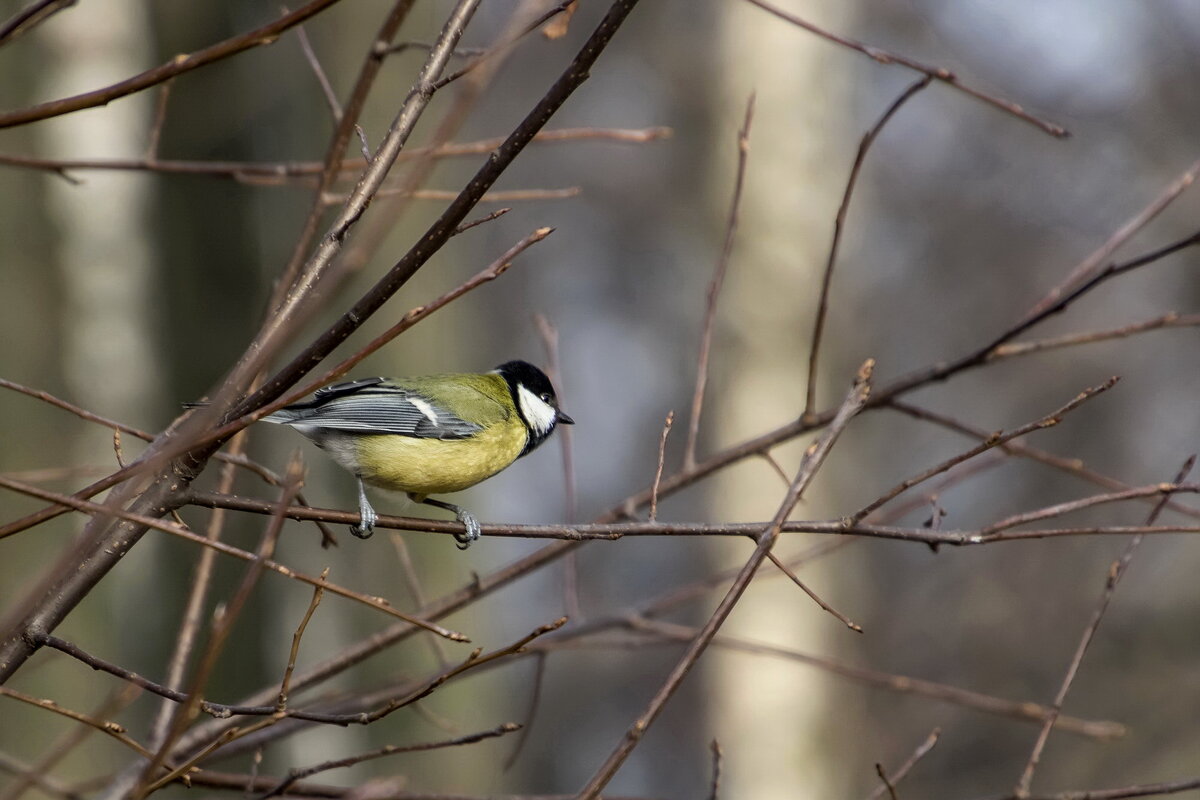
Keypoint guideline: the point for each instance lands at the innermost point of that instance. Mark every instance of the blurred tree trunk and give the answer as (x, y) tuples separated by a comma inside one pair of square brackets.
[(773, 717)]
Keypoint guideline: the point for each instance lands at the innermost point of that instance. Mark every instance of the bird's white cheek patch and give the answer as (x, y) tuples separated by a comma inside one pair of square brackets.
[(540, 414)]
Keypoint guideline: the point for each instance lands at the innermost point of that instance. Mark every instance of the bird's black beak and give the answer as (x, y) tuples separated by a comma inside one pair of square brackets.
[(563, 417)]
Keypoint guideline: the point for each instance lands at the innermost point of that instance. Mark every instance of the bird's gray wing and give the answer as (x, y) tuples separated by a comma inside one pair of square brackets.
[(371, 406)]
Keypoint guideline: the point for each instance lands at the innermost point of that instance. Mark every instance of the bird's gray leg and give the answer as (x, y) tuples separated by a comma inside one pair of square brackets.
[(366, 515), (465, 517)]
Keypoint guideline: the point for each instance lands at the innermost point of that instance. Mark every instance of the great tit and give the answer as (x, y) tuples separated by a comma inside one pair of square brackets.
[(431, 434)]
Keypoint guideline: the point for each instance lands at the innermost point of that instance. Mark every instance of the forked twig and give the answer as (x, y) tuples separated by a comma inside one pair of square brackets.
[(917, 755)]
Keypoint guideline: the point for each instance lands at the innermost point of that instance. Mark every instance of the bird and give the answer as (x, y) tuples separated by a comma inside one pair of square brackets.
[(431, 434)]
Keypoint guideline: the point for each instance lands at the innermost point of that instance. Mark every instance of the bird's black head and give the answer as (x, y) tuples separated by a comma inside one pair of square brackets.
[(534, 397)]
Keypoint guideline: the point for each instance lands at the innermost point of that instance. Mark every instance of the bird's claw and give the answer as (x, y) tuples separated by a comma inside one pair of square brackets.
[(472, 533), (366, 523)]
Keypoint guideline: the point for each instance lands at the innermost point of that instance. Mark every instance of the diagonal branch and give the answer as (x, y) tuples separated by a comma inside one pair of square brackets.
[(714, 288), (184, 62), (1115, 573), (814, 457), (937, 73), (839, 222)]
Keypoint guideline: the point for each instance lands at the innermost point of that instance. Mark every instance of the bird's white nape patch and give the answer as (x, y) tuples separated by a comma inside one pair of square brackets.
[(425, 409), (540, 415)]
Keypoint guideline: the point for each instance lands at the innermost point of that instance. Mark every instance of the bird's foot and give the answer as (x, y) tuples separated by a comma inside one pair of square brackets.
[(473, 531), (366, 520)]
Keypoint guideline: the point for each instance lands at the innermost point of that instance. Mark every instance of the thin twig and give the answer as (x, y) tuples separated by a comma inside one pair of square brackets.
[(714, 288), (715, 783), (839, 222), (265, 173), (476, 659), (887, 784), (310, 56), (1094, 263), (611, 531), (466, 226), (184, 62), (548, 333), (770, 459), (1139, 790), (509, 196), (489, 273), (917, 755), (299, 774), (994, 440), (111, 729), (307, 789), (64, 745), (995, 530), (296, 637), (504, 46), (842, 618), (160, 119), (662, 451), (549, 336), (1115, 572), (413, 581), (535, 697), (1070, 466), (31, 15), (937, 73), (1170, 320)]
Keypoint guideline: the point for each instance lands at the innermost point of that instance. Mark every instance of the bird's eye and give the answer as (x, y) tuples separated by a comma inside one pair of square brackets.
[(545, 397)]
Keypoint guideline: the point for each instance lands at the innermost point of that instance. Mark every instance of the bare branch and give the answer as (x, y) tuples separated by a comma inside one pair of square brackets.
[(839, 222), (917, 755), (300, 774), (840, 617), (1094, 263), (994, 440), (714, 288), (111, 729), (662, 452), (296, 637), (184, 62), (30, 16), (937, 73)]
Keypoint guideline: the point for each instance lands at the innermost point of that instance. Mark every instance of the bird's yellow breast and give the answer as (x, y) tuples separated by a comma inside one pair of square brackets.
[(435, 466)]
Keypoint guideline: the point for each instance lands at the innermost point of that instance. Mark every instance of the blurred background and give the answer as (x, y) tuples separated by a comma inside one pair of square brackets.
[(129, 293)]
